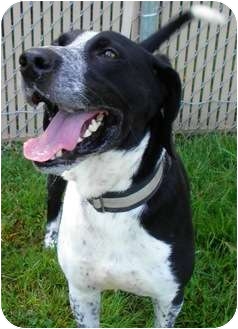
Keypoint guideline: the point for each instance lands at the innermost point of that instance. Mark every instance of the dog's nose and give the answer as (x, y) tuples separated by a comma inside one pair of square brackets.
[(38, 62)]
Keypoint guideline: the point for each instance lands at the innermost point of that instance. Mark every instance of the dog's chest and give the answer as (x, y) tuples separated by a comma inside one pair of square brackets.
[(110, 251)]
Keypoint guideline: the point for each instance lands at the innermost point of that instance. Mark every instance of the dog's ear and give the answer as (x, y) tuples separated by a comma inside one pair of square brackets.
[(169, 79), (66, 38)]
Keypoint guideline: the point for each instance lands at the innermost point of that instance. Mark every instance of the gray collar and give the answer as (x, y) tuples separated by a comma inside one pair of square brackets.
[(136, 195)]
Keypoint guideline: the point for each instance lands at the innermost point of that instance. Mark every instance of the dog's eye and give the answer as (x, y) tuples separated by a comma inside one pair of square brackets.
[(111, 53)]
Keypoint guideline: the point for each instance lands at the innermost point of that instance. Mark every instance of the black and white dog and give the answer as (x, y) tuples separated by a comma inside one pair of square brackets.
[(126, 220)]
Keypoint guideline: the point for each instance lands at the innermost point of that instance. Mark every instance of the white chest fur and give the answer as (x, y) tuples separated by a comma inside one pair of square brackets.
[(110, 250)]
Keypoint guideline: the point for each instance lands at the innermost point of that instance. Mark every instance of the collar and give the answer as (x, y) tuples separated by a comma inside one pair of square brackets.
[(137, 194)]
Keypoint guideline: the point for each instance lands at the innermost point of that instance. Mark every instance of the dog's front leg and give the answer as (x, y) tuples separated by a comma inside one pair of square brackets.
[(55, 188), (167, 310), (85, 305)]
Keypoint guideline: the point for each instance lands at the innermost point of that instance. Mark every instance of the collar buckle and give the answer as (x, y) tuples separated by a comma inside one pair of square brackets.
[(102, 203)]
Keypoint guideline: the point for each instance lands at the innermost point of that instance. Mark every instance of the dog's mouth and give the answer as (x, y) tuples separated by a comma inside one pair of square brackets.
[(72, 134)]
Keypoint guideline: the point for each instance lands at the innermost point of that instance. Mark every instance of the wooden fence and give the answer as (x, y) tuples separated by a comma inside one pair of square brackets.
[(204, 55)]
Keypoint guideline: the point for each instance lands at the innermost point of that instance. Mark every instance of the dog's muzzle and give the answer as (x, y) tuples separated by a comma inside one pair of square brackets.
[(38, 63)]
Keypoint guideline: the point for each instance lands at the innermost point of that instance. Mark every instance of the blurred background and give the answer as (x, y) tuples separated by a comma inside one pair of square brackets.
[(204, 55)]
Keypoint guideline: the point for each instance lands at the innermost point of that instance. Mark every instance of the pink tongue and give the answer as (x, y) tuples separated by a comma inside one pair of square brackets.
[(62, 133)]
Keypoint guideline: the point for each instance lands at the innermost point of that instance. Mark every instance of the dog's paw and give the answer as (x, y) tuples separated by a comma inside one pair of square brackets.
[(51, 234)]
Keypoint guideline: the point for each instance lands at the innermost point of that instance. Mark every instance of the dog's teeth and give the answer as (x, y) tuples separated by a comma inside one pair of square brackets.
[(93, 126), (100, 117), (53, 157), (87, 133), (59, 154), (98, 123)]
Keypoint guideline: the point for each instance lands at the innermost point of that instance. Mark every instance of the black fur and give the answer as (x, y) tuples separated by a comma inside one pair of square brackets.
[(146, 90), (168, 215), (155, 40)]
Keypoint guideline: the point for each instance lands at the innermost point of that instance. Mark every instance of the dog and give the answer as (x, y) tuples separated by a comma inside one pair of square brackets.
[(125, 221)]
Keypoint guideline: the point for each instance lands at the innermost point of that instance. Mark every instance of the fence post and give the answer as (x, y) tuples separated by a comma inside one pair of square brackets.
[(149, 18), (127, 18)]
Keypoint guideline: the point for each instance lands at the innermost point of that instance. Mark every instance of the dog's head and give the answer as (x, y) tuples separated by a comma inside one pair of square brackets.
[(101, 91)]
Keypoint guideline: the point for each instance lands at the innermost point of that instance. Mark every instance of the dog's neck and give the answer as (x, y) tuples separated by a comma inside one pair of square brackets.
[(106, 172)]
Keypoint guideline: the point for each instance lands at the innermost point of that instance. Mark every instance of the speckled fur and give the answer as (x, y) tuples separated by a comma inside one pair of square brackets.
[(149, 250), (131, 251), (68, 87), (51, 234), (99, 251)]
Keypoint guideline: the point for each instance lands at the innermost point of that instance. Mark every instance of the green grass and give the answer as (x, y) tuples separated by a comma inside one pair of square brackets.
[(34, 290)]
